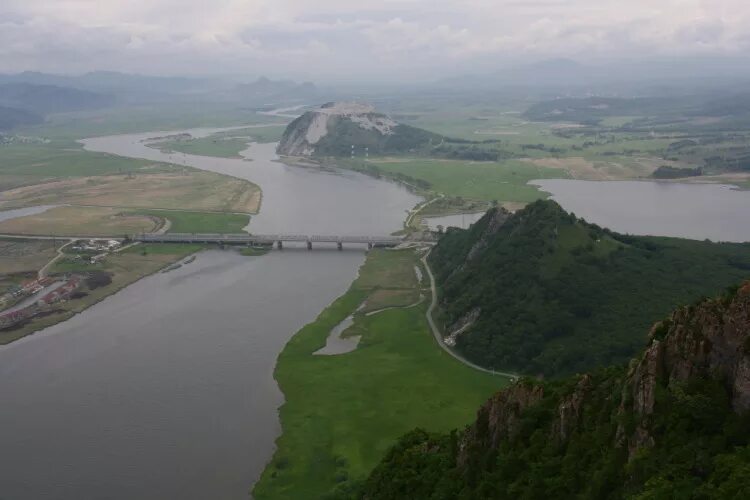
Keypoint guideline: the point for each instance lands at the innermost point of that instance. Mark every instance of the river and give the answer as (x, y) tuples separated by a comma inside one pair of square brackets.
[(165, 389)]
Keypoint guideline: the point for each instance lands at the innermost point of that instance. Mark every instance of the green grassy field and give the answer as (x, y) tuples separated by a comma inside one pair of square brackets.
[(207, 146), (144, 118), (199, 222), (488, 181), (24, 164), (227, 144), (343, 412)]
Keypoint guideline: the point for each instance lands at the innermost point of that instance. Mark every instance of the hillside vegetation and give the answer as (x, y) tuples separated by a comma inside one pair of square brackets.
[(671, 425), (343, 412), (545, 293)]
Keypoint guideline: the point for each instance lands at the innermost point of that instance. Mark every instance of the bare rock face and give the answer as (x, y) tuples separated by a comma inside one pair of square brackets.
[(303, 135), (709, 340), (499, 216), (498, 419), (570, 409)]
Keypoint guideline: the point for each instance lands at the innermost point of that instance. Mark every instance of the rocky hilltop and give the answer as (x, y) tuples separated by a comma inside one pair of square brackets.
[(335, 127), (672, 424)]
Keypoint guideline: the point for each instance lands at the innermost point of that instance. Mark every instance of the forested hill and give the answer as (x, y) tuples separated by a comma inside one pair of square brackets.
[(545, 293), (673, 424)]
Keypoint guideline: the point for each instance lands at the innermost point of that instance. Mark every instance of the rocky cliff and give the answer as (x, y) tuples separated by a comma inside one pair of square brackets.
[(673, 424), (334, 128)]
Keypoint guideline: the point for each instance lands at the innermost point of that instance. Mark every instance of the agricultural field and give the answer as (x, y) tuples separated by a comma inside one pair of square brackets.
[(495, 144), (185, 221), (101, 193), (335, 424), (120, 120), (505, 181), (27, 164), (24, 256), (81, 221), (191, 189)]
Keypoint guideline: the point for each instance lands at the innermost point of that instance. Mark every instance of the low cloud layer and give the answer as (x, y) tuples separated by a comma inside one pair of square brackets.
[(405, 39)]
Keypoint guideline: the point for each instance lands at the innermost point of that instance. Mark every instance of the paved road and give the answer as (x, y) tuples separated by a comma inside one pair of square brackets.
[(439, 337)]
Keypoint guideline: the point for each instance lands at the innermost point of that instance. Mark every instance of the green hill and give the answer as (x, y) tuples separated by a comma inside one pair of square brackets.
[(672, 425), (545, 293), (342, 128)]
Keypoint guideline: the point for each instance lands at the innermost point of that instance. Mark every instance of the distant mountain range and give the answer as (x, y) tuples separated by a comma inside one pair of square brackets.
[(629, 78), (269, 90), (46, 99), (13, 117), (26, 104)]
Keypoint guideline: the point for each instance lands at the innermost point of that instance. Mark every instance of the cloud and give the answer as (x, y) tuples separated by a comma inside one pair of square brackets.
[(336, 37)]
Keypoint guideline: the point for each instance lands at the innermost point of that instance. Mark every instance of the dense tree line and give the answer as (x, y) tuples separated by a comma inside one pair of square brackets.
[(558, 295)]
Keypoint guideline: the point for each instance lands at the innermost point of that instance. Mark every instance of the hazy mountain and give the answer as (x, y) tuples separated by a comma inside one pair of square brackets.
[(45, 99), (265, 90), (13, 117)]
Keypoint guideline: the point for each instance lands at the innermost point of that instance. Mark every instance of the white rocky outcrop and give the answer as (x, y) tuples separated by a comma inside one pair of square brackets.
[(303, 134)]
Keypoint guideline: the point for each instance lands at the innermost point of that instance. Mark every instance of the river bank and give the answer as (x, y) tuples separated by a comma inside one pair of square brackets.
[(123, 268), (335, 422), (165, 389)]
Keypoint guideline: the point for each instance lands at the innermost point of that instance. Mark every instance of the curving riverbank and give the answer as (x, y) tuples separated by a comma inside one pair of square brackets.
[(157, 384)]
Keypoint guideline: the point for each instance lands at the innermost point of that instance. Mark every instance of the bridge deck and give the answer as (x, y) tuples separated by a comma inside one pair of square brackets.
[(264, 238)]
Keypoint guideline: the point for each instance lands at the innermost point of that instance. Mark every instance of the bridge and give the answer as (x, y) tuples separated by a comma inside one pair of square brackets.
[(267, 239)]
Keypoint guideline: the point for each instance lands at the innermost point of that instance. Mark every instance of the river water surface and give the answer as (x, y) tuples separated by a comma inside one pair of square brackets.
[(165, 389)]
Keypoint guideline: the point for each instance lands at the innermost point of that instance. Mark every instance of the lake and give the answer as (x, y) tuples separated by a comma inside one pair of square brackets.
[(697, 211)]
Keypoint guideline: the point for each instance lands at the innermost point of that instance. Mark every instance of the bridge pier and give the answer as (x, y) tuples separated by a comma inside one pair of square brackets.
[(339, 245), (369, 245), (279, 245), (309, 245)]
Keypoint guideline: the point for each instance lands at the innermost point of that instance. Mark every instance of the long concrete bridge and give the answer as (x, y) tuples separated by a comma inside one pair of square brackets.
[(267, 239)]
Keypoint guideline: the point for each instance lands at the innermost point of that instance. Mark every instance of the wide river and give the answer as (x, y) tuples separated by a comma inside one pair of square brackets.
[(166, 389)]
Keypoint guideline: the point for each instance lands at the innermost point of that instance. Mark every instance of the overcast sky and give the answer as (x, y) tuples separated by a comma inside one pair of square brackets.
[(329, 39)]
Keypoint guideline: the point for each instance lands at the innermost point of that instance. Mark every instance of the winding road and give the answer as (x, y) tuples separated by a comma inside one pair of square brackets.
[(439, 338)]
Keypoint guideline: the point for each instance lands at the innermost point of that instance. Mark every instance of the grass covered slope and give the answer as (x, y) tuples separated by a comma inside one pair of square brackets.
[(671, 425), (343, 412), (555, 295)]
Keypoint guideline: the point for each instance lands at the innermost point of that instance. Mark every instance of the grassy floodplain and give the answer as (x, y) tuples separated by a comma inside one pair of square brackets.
[(226, 144), (109, 195), (343, 412), (199, 222), (487, 181)]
